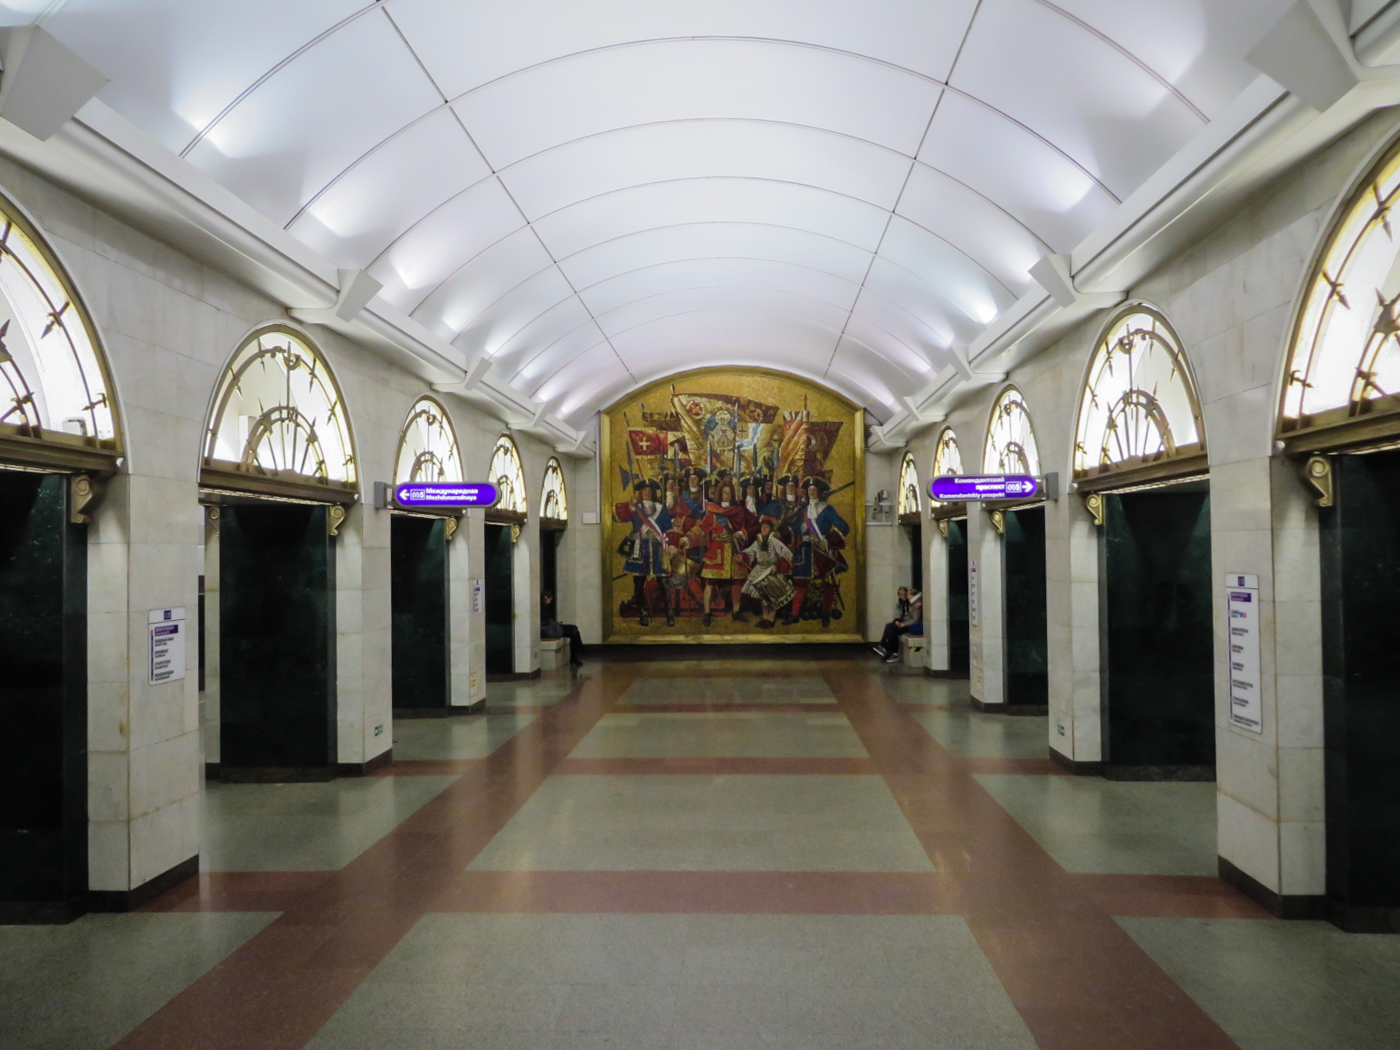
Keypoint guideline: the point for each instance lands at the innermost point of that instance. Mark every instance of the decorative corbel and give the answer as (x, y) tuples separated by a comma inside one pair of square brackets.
[(943, 527), (335, 518), (211, 516), (82, 499), (998, 521), (1094, 504), (1317, 474), (453, 524), (515, 534)]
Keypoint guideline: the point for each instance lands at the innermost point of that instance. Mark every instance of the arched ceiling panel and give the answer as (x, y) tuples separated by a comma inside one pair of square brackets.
[(587, 167), (360, 214), (714, 183), (802, 279), (1073, 87), (670, 80), (1198, 48), (193, 60), (714, 241), (314, 117), (635, 208), (469, 44), (1039, 185), (988, 234), (436, 248)]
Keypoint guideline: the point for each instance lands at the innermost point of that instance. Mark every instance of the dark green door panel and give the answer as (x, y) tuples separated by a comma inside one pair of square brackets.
[(43, 695), (1360, 542), (500, 601), (276, 637), (959, 630), (1023, 555), (418, 596), (1157, 630)]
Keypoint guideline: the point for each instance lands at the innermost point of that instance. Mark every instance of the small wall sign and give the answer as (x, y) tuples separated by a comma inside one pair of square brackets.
[(1242, 613), (166, 628)]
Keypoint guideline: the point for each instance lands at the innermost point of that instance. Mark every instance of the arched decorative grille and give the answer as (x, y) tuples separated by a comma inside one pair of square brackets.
[(1011, 447), (1138, 406), (508, 475), (54, 385), (1344, 356), (909, 504), (554, 501), (278, 414), (428, 449), (947, 460)]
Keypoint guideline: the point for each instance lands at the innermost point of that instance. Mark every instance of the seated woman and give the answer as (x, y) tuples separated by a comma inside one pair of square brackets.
[(552, 628), (908, 619)]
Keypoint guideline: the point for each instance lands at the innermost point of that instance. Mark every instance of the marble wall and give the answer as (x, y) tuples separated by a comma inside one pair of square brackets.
[(1231, 298)]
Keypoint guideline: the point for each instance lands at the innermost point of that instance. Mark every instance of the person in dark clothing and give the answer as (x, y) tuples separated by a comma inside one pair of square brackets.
[(908, 619), (552, 628)]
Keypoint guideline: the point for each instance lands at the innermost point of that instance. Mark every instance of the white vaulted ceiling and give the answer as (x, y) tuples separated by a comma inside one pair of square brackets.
[(595, 195)]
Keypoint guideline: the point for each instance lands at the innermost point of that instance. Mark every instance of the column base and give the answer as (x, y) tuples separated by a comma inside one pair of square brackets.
[(1009, 709), (1079, 769), (130, 900), (1292, 906)]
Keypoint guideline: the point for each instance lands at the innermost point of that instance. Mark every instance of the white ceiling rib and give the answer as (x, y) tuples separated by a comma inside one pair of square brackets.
[(592, 198)]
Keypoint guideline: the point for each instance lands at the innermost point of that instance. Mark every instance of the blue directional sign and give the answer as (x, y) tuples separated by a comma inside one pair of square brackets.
[(958, 488), (446, 495)]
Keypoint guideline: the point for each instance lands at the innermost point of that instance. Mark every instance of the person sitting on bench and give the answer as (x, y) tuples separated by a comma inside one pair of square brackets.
[(908, 619), (552, 628)]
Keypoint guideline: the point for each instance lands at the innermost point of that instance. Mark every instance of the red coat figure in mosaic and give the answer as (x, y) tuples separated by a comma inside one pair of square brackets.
[(725, 530)]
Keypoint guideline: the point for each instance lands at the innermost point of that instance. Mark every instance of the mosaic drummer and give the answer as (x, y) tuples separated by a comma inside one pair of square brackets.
[(768, 582)]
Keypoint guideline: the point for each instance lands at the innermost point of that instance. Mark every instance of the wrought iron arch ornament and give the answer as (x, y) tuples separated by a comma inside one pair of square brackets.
[(1138, 414), (507, 474), (1010, 447), (947, 460), (428, 449), (57, 407), (278, 424), (909, 504), (554, 500), (1341, 383)]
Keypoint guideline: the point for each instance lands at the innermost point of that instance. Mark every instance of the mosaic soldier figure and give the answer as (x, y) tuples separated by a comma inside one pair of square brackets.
[(724, 531), (694, 491), (771, 561), (819, 536), (644, 549)]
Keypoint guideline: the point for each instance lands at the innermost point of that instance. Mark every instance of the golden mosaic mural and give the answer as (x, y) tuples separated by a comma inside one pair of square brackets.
[(732, 501)]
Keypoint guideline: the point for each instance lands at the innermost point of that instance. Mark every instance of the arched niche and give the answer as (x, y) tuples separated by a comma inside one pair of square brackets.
[(57, 404), (947, 461), (909, 503), (1341, 382), (507, 474), (428, 449), (1139, 417), (1010, 447), (278, 425), (554, 500)]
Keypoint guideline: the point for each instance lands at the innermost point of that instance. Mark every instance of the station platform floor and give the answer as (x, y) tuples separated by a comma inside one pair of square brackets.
[(711, 854)]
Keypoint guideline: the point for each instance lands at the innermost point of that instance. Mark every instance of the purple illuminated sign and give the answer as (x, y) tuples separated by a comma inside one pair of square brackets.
[(446, 495), (958, 488)]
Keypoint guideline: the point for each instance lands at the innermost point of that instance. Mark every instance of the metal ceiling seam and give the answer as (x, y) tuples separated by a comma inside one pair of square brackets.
[(495, 173), (894, 209), (759, 258), (920, 322), (451, 102), (935, 293), (799, 229), (775, 262), (1128, 54), (324, 35)]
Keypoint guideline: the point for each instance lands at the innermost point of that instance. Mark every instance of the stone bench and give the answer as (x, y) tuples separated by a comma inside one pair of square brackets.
[(911, 649), (554, 653)]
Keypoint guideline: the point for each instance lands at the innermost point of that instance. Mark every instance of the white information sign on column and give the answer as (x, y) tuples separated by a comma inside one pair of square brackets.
[(1242, 614), (478, 596), (973, 613), (167, 635)]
